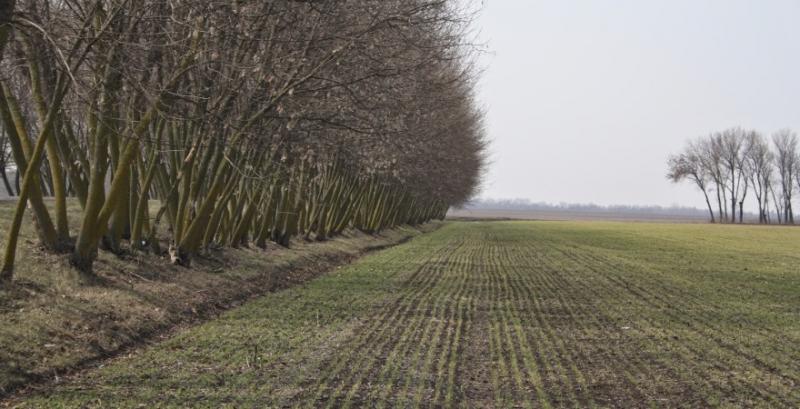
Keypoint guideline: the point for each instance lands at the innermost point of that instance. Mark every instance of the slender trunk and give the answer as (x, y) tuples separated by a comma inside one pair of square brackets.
[(75, 161), (141, 206), (741, 212), (710, 209), (193, 235), (7, 270), (95, 224), (777, 206), (56, 179), (85, 249), (758, 191), (6, 182), (120, 218), (760, 209), (22, 151)]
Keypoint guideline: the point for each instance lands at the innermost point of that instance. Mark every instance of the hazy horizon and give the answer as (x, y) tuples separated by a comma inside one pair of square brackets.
[(586, 99)]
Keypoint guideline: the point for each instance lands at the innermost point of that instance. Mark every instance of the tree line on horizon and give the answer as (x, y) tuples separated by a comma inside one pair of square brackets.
[(244, 121), (527, 204), (727, 166)]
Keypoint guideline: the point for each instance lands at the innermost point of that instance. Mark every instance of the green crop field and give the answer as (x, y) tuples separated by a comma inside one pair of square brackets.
[(498, 314)]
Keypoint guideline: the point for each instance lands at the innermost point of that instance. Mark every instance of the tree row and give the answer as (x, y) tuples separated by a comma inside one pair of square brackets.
[(730, 166), (233, 123)]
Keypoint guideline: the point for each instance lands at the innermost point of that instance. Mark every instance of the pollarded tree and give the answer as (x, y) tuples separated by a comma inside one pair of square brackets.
[(73, 47), (249, 121)]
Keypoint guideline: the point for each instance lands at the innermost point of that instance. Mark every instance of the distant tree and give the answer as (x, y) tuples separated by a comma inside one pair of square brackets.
[(689, 165), (758, 166), (734, 161), (777, 199), (786, 161), (733, 150), (709, 151)]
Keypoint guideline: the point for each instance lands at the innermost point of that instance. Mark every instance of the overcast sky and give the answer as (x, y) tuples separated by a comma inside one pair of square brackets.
[(586, 99)]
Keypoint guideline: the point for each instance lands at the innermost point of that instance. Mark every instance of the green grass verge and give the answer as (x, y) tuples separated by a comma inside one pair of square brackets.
[(53, 324)]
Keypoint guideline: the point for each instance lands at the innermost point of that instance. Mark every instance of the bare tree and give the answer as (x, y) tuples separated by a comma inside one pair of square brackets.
[(734, 161), (709, 151), (249, 121), (758, 166), (689, 165), (786, 161), (733, 148)]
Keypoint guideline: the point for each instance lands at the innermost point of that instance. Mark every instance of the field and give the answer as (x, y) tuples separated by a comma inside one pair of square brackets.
[(578, 215), (497, 314)]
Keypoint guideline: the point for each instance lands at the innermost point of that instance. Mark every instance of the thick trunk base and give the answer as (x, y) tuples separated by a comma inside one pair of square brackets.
[(83, 265), (178, 257)]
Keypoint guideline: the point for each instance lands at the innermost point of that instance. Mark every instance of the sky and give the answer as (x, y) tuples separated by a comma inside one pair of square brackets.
[(586, 99)]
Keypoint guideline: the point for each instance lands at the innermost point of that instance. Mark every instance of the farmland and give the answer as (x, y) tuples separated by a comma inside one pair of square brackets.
[(497, 314)]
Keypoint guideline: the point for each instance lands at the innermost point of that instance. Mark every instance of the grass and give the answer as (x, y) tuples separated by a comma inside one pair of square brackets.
[(53, 324), (498, 314)]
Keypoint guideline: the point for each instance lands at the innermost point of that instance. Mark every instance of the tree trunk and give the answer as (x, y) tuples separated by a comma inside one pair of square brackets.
[(710, 210), (6, 182), (741, 212), (777, 206), (21, 149), (760, 207), (142, 211), (31, 177), (56, 179)]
